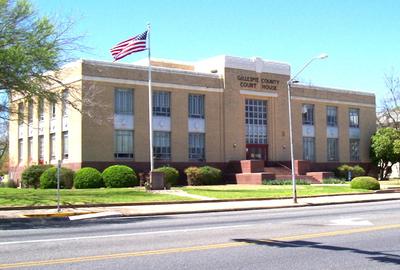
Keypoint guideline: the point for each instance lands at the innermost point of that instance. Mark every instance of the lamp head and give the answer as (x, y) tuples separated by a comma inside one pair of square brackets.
[(322, 56)]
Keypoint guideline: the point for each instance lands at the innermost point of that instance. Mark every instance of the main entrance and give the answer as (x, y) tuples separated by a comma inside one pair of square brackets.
[(256, 129)]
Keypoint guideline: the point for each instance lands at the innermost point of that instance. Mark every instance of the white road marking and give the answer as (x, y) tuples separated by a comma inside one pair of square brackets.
[(122, 235), (350, 222), (95, 215)]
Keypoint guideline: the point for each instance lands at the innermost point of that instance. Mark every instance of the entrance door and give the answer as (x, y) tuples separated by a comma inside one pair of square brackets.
[(257, 151), (256, 129)]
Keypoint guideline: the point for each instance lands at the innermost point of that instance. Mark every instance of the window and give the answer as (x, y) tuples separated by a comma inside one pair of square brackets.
[(30, 112), (53, 110), (333, 149), (354, 150), (123, 144), (309, 148), (20, 150), (20, 113), (41, 110), (41, 149), (65, 146), (161, 145), (354, 118), (256, 121), (124, 101), (196, 146), (52, 146), (308, 114), (30, 145), (65, 96), (196, 106), (161, 103), (331, 116)]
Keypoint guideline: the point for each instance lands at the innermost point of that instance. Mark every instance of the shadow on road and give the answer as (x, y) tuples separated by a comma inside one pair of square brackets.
[(378, 256), (46, 223)]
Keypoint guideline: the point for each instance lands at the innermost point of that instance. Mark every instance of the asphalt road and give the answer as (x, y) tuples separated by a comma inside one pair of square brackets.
[(351, 236)]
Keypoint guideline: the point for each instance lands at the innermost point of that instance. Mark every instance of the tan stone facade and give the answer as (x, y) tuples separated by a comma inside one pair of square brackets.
[(237, 93)]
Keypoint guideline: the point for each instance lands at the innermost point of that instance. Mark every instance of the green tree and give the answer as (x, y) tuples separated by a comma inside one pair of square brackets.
[(32, 50), (385, 150)]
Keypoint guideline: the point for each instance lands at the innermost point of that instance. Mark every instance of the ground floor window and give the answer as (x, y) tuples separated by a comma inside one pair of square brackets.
[(309, 148), (196, 146), (162, 145), (65, 150), (123, 144), (30, 145), (53, 146), (354, 149), (20, 150), (333, 149), (41, 149)]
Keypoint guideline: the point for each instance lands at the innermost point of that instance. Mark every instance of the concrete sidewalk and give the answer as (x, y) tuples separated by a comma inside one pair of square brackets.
[(199, 207)]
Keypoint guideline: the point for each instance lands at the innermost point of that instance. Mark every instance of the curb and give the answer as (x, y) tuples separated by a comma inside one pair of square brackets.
[(12, 208), (68, 214), (252, 208)]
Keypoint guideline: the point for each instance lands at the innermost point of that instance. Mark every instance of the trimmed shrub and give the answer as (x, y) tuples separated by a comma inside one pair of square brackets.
[(118, 176), (193, 176), (88, 178), (48, 179), (171, 175), (210, 175), (206, 175), (343, 170), (365, 182), (31, 176), (358, 171)]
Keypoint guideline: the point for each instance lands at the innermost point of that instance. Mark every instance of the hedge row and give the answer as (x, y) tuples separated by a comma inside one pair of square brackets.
[(45, 176)]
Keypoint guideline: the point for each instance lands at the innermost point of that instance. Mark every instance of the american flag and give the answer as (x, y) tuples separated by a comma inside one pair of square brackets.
[(132, 45)]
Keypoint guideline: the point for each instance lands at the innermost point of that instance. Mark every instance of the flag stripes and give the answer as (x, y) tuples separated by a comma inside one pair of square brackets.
[(129, 46)]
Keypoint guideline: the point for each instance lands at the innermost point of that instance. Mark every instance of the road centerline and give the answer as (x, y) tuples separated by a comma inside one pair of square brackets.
[(194, 248)]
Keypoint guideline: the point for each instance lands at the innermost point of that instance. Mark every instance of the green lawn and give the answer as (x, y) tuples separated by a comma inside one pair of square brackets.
[(32, 197), (272, 191)]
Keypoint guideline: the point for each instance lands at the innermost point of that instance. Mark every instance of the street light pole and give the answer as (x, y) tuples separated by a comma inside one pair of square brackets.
[(289, 85)]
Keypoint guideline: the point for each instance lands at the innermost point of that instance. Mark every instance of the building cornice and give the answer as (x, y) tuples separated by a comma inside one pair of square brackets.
[(331, 101), (154, 84)]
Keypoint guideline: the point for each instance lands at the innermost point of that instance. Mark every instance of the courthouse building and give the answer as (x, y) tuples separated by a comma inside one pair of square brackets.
[(215, 111)]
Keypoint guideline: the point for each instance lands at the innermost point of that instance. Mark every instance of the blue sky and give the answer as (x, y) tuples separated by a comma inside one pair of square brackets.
[(362, 38)]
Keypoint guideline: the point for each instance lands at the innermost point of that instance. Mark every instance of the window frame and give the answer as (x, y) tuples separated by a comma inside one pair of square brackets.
[(331, 120), (307, 114), (354, 117), (196, 106), (122, 97), (161, 151), (196, 146), (122, 151), (161, 103)]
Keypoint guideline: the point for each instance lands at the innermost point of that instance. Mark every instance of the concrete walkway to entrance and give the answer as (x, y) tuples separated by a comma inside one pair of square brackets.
[(198, 207)]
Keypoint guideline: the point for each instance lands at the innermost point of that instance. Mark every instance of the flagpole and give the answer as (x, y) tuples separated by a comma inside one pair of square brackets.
[(150, 103)]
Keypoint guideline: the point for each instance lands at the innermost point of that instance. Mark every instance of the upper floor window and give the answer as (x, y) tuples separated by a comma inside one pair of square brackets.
[(331, 116), (161, 103), (53, 110), (196, 106), (41, 110), (308, 114), (20, 113), (65, 96), (123, 101), (30, 112), (354, 118)]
